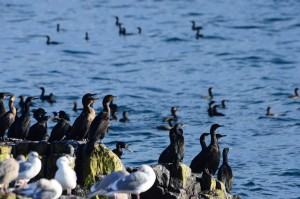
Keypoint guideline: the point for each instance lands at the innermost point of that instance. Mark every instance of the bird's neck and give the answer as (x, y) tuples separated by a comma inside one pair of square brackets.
[(203, 144), (213, 137), (106, 108), (225, 160), (12, 108)]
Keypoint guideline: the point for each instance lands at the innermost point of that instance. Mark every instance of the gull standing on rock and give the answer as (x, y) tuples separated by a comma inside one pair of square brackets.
[(65, 175)]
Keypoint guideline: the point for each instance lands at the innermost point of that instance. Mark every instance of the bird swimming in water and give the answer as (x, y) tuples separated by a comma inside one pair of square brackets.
[(197, 163), (65, 175), (20, 127), (119, 148), (57, 27), (100, 124), (223, 103), (83, 122), (296, 95), (271, 114), (9, 170), (210, 94), (49, 42), (139, 30), (62, 127), (174, 153), (135, 183), (215, 111), (211, 104), (125, 118), (8, 118), (114, 110), (38, 131), (166, 127), (123, 32), (117, 21), (2, 107), (75, 108), (86, 36), (225, 172), (174, 116), (49, 98), (194, 27), (99, 188)]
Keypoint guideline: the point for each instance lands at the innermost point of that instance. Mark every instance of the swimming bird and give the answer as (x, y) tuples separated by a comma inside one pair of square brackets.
[(122, 30), (62, 127), (30, 168), (225, 172), (212, 152), (210, 94), (198, 34), (135, 183), (125, 118), (49, 98), (198, 163), (166, 127), (65, 175), (296, 95), (119, 148), (99, 188), (20, 127), (194, 27), (9, 170), (83, 122), (75, 108), (86, 36), (2, 107), (215, 111), (114, 110), (139, 30), (57, 27), (49, 42), (174, 153), (211, 104), (224, 102), (174, 116), (117, 21), (8, 118), (38, 131), (271, 114), (43, 188)]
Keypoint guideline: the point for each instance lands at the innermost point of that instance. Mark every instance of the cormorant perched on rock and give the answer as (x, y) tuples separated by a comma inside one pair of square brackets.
[(270, 113), (20, 127), (166, 127), (2, 107), (125, 118), (174, 153), (8, 118), (225, 172), (114, 110), (210, 94), (62, 128), (100, 124), (173, 113), (83, 122), (38, 131), (296, 95), (197, 163), (49, 98), (119, 148), (212, 152)]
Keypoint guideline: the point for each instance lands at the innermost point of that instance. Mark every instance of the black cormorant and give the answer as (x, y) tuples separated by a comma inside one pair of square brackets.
[(125, 118), (57, 27), (139, 30), (49, 98), (166, 127), (2, 107), (270, 113), (225, 172), (224, 102), (62, 128), (210, 94), (117, 21), (20, 127), (38, 113), (198, 163), (296, 95), (173, 113), (122, 30), (119, 148), (75, 107), (86, 36), (194, 27), (211, 104), (83, 122), (38, 131), (174, 153), (215, 111), (114, 110), (8, 118), (49, 42)]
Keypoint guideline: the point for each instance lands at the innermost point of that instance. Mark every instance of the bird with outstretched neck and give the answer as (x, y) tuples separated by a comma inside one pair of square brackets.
[(225, 174), (210, 95), (2, 107), (198, 161), (83, 122), (49, 98), (8, 118), (296, 95), (49, 42), (20, 127)]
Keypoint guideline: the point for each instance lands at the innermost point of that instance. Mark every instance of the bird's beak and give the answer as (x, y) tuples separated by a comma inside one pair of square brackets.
[(128, 149)]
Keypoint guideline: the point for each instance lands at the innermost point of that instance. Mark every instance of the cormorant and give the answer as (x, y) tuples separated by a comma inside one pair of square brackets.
[(296, 95), (119, 148), (224, 102), (270, 113), (21, 102), (210, 94), (83, 122), (211, 104), (225, 172), (8, 118), (174, 153), (38, 113), (173, 113), (114, 110), (62, 128), (57, 27), (2, 107), (139, 30), (49, 98), (125, 118), (166, 127), (49, 42), (38, 131), (122, 30), (197, 163), (212, 152), (75, 108), (117, 21), (194, 27), (215, 111), (86, 36), (20, 127)]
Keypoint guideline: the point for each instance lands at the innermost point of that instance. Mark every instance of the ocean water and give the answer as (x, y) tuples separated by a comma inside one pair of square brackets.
[(249, 54)]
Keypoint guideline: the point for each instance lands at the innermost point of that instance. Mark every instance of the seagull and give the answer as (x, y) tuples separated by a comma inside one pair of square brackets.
[(99, 188), (135, 183), (65, 175), (50, 189), (9, 169), (30, 168)]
